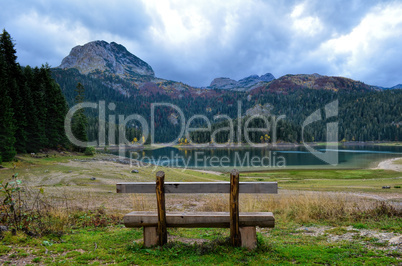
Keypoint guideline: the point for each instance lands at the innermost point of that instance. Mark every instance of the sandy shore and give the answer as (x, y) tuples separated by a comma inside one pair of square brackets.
[(208, 172), (390, 165)]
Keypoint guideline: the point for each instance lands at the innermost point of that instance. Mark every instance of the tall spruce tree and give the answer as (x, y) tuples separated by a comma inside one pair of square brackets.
[(39, 99), (32, 105), (14, 85), (7, 123), (35, 135), (56, 109), (79, 122)]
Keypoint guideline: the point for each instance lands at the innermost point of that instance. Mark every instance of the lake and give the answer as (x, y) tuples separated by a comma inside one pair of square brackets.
[(254, 159)]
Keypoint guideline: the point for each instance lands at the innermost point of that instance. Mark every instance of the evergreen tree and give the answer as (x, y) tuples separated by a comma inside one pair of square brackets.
[(39, 99), (56, 109), (79, 121), (7, 125), (14, 85), (34, 128), (33, 107)]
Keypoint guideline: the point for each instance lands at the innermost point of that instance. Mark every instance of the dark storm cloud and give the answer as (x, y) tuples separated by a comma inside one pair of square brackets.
[(197, 41), (270, 37), (128, 18)]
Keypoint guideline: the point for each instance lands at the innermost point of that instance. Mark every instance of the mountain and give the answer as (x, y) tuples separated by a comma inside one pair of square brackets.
[(111, 58), (120, 70), (290, 83), (399, 86), (112, 74), (244, 84), (124, 72)]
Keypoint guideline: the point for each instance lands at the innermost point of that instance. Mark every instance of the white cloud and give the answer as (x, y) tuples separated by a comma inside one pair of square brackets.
[(358, 53), (305, 24)]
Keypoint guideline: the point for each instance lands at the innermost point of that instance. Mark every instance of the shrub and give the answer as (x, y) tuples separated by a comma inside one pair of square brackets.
[(89, 151), (29, 210)]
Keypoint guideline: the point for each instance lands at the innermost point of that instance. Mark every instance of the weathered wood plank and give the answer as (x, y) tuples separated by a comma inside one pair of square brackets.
[(234, 208), (198, 219), (198, 187), (160, 198)]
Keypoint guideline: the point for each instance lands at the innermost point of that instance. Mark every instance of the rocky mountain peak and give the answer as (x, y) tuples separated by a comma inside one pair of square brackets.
[(223, 82), (243, 84), (399, 86), (106, 57)]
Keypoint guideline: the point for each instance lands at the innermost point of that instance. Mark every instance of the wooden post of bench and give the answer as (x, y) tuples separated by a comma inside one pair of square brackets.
[(160, 197), (234, 208)]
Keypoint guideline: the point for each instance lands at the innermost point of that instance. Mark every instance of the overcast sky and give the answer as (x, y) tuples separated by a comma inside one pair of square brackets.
[(198, 40)]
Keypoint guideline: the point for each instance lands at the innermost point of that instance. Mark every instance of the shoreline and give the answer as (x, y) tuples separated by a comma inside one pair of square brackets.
[(389, 165), (246, 146)]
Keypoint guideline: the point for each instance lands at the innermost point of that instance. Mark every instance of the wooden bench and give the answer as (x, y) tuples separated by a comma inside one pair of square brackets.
[(242, 225)]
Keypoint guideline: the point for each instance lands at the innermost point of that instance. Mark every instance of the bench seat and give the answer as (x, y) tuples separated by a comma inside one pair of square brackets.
[(198, 219)]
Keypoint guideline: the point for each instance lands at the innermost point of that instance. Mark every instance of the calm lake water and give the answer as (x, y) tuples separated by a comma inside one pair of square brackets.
[(266, 158)]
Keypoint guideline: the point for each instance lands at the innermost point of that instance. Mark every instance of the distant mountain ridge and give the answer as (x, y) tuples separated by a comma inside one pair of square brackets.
[(396, 87), (124, 72), (289, 83), (399, 86), (247, 83)]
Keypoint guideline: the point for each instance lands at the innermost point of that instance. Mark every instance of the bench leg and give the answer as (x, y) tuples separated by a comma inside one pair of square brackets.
[(150, 236), (248, 237)]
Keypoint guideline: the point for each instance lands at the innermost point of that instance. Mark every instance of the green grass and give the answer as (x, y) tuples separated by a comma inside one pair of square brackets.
[(325, 174), (364, 180), (327, 143), (396, 143), (123, 246), (282, 245)]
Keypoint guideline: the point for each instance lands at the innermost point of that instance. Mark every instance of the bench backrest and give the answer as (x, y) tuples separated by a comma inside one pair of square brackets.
[(197, 187)]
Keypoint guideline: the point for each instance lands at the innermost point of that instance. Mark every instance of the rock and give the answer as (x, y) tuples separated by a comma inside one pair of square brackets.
[(254, 79), (243, 84), (93, 178), (134, 171), (267, 77), (3, 228), (70, 171), (1, 167), (396, 240), (106, 57), (223, 83), (386, 187)]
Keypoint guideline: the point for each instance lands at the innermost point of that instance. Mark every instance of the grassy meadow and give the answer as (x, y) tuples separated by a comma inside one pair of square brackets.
[(71, 214)]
